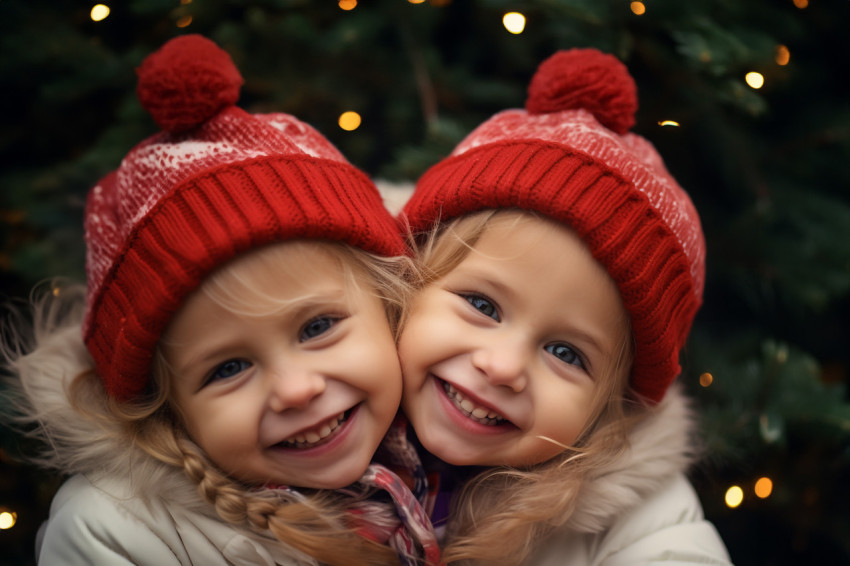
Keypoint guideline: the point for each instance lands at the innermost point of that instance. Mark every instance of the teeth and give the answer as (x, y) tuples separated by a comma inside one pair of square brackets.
[(306, 439), (470, 409)]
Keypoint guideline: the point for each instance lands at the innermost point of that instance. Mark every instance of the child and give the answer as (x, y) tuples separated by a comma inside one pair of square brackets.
[(235, 341), (563, 266)]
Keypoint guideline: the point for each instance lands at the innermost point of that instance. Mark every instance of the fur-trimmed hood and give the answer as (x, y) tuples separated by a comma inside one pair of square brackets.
[(661, 446), (84, 444)]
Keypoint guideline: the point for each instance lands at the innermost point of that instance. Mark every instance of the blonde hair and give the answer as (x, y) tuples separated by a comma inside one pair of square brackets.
[(315, 523), (499, 514)]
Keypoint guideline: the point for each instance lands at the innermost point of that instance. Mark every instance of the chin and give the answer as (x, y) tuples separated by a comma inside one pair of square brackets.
[(453, 457), (328, 483), (459, 461)]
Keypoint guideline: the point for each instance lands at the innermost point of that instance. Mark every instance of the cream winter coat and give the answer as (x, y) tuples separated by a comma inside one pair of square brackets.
[(641, 509), (121, 506)]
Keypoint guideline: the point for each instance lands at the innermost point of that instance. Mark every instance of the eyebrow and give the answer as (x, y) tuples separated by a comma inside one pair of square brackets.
[(484, 275)]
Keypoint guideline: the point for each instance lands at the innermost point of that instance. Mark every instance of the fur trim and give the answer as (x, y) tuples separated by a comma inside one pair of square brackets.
[(660, 447), (73, 442)]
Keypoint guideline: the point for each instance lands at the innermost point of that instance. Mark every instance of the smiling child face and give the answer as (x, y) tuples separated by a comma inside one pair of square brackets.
[(290, 375), (503, 355)]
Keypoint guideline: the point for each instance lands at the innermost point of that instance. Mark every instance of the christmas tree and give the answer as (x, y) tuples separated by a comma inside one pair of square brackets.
[(747, 102)]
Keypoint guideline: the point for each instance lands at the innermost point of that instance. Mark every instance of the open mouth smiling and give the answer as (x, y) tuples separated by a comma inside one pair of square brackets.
[(473, 411), (317, 435)]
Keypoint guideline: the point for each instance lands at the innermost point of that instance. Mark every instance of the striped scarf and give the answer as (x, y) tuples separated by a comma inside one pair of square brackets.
[(388, 509), (397, 512)]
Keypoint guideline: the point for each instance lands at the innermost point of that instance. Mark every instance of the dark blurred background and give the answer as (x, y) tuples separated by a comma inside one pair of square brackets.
[(765, 156)]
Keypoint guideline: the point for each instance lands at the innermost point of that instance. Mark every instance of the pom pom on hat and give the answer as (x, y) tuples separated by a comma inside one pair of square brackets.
[(588, 79), (188, 81)]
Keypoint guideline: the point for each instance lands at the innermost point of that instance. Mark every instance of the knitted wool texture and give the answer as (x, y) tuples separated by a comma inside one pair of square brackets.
[(216, 182), (569, 156)]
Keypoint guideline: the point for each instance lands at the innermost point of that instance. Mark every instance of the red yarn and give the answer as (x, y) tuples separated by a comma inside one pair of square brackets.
[(186, 82), (588, 79)]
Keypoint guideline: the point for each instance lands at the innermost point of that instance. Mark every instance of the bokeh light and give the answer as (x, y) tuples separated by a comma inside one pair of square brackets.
[(514, 22), (783, 55), (349, 121), (754, 79), (734, 496), (764, 487), (8, 519), (99, 12)]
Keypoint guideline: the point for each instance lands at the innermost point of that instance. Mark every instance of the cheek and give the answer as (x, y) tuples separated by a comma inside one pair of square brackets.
[(419, 404), (388, 386), (385, 361), (377, 374), (425, 337), (219, 430), (409, 351), (563, 417)]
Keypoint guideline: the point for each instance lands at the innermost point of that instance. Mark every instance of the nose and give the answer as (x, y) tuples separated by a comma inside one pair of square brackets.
[(294, 388), (503, 363)]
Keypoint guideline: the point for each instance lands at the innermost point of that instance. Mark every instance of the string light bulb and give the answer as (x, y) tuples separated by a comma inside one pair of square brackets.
[(347, 4), (99, 12), (783, 55), (514, 22), (638, 8), (754, 79), (349, 121), (7, 519), (706, 379), (734, 496), (763, 487)]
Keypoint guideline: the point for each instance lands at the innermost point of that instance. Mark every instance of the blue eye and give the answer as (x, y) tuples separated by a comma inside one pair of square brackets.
[(565, 353), (483, 305), (229, 369), (317, 327)]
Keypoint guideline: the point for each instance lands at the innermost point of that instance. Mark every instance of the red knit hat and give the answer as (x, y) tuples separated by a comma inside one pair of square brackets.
[(570, 156), (215, 183)]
